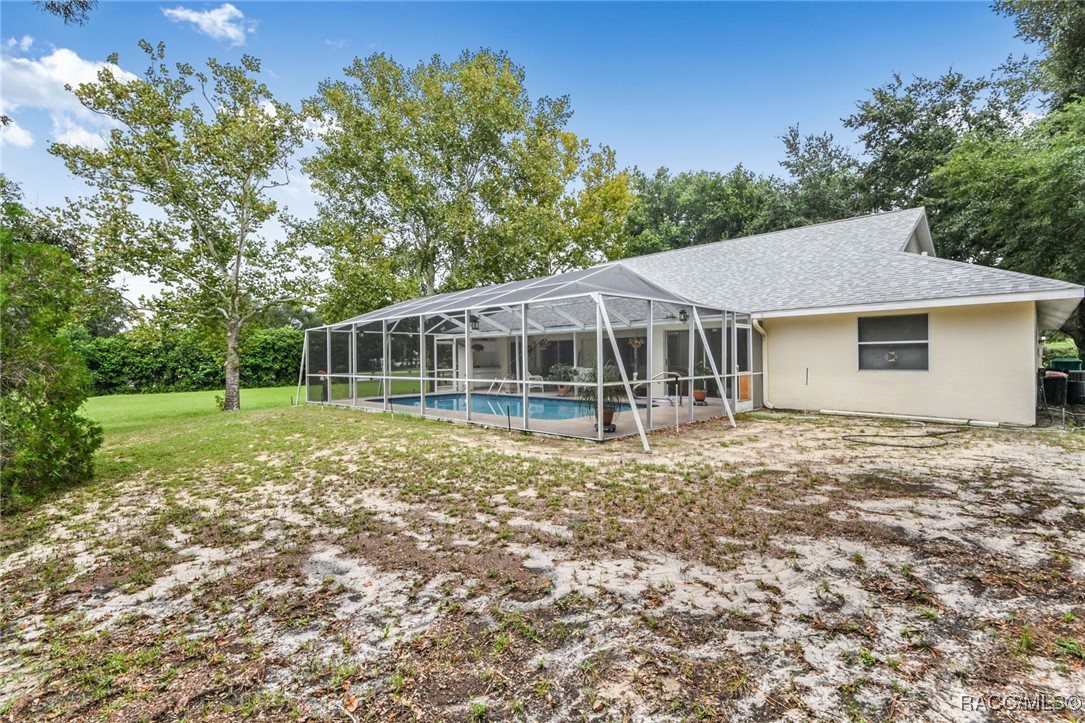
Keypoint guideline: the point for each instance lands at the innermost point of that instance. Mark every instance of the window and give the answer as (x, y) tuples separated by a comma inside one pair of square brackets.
[(894, 342)]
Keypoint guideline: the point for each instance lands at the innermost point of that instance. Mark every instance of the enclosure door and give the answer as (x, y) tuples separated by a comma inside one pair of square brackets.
[(744, 367), (445, 361)]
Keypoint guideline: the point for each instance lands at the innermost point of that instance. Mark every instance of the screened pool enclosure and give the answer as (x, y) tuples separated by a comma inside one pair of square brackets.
[(526, 356)]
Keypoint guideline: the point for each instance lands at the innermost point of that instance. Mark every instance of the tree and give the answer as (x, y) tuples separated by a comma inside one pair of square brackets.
[(458, 176), (696, 208), (824, 183), (72, 12), (291, 314), (570, 218), (1017, 200), (364, 275), (44, 442), (1059, 27), (201, 151), (907, 131), (101, 308)]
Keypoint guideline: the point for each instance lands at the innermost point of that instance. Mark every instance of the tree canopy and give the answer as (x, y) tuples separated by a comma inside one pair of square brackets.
[(182, 192), (449, 175), (1058, 27), (907, 130), (1018, 200), (689, 209)]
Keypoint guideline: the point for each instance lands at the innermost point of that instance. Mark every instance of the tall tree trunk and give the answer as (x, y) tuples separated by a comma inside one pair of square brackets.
[(233, 366), (1075, 327), (431, 280)]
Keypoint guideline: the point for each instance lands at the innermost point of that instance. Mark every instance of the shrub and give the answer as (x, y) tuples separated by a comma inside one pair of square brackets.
[(44, 443)]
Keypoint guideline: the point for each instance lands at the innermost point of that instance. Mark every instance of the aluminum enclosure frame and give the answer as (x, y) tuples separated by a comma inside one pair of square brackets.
[(426, 356)]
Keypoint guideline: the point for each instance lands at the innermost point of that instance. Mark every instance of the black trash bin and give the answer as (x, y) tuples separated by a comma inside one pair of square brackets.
[(1075, 387), (1055, 388)]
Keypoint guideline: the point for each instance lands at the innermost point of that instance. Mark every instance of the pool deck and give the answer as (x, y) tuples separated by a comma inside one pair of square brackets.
[(663, 415)]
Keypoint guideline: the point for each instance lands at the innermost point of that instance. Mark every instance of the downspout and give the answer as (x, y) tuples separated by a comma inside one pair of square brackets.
[(756, 323)]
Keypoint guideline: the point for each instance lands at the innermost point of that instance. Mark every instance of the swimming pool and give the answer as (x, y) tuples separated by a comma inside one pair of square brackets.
[(512, 405)]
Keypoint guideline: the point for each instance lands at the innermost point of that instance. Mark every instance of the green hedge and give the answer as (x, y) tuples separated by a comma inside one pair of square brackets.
[(138, 363)]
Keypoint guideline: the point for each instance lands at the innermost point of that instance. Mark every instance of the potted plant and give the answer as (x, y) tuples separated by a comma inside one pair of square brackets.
[(562, 374), (700, 386), (612, 395)]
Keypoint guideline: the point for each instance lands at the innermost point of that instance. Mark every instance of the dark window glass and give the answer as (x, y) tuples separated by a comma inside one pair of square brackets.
[(911, 327)]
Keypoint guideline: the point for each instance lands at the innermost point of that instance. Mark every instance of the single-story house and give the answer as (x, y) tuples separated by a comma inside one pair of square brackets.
[(858, 315), (861, 315)]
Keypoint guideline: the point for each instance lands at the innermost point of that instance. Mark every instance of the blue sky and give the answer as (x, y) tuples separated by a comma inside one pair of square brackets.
[(687, 86)]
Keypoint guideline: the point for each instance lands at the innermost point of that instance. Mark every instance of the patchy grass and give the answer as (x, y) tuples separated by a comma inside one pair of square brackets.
[(283, 563)]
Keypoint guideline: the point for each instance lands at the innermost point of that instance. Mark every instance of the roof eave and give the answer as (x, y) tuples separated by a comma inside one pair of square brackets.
[(1069, 294)]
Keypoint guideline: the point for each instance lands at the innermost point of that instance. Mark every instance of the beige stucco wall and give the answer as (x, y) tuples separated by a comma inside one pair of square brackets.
[(982, 366)]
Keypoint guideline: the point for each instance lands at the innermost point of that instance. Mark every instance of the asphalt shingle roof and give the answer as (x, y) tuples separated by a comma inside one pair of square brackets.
[(843, 263)]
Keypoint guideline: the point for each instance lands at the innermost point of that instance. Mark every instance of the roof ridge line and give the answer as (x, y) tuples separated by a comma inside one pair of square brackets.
[(996, 269), (773, 233)]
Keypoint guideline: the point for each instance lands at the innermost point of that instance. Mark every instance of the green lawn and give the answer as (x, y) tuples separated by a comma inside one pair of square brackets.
[(132, 411)]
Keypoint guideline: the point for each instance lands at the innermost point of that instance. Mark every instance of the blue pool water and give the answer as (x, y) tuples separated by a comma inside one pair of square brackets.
[(500, 404)]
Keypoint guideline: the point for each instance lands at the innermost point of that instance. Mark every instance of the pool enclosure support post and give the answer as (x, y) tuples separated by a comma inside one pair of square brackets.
[(302, 369), (625, 377), (732, 363), (649, 348), (386, 363), (328, 368), (525, 386), (469, 360), (353, 365), (598, 369), (690, 367), (712, 362), (422, 363)]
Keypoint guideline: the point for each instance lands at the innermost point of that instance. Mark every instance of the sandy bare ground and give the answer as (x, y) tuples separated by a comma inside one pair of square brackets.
[(781, 570)]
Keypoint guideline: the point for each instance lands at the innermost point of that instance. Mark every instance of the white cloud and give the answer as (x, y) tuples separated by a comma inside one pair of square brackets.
[(225, 22), (320, 128), (13, 134), (67, 131), (337, 44), (22, 44), (38, 84)]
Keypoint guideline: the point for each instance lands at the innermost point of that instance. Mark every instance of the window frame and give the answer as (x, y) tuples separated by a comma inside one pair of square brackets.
[(902, 342)]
